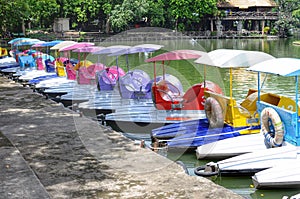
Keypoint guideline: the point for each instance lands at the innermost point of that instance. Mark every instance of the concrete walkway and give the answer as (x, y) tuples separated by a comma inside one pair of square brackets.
[(55, 153)]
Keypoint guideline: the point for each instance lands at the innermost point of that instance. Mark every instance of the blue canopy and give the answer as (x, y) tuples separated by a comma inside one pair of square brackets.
[(51, 43), (17, 39), (28, 42)]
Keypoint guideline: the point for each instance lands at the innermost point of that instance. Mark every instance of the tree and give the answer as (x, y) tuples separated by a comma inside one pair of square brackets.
[(187, 11), (82, 12), (130, 11), (156, 14), (286, 21), (13, 15), (43, 12), (296, 15)]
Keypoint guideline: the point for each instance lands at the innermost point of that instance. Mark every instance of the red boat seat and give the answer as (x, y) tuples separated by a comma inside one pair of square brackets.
[(194, 96), (166, 96)]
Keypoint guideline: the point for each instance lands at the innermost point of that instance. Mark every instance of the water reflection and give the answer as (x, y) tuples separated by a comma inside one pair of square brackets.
[(275, 47)]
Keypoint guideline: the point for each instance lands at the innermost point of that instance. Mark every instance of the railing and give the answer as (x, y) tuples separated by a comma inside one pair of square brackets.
[(250, 15), (230, 33)]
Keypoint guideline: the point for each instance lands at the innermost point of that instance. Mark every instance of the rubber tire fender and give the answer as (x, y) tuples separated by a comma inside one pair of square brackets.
[(214, 113), (199, 171)]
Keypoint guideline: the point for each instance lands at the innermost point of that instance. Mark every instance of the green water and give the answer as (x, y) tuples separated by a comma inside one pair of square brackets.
[(190, 73)]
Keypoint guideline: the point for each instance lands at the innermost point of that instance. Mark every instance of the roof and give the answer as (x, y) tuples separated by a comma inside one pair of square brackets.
[(244, 4)]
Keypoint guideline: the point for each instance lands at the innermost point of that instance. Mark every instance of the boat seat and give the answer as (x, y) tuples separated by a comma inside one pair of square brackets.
[(49, 66), (168, 91), (234, 114), (40, 63), (166, 96), (288, 104), (222, 99), (71, 73), (169, 96), (192, 93)]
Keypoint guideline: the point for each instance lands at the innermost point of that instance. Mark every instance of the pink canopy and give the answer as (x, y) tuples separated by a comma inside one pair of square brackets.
[(176, 55), (88, 49), (39, 44), (76, 45)]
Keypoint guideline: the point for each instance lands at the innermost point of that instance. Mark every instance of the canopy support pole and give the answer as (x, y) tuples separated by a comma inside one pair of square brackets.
[(204, 75), (230, 86), (154, 74), (258, 86), (297, 114)]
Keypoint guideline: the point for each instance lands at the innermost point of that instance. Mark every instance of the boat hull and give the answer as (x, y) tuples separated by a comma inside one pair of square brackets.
[(148, 118), (251, 163), (282, 176), (231, 147)]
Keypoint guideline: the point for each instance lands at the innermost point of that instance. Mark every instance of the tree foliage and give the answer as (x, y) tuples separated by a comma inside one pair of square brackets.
[(286, 21), (13, 14), (188, 11), (156, 13), (44, 12), (128, 12), (118, 15)]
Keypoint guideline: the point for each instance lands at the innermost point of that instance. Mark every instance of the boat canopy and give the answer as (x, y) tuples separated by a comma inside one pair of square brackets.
[(280, 66), (176, 55), (76, 45), (137, 49), (111, 49), (230, 58), (62, 45)]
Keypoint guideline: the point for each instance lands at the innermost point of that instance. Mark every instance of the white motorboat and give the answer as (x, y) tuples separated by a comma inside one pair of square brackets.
[(54, 83), (106, 104), (285, 175), (8, 63), (250, 163), (28, 75), (56, 92), (78, 96), (143, 119), (231, 147)]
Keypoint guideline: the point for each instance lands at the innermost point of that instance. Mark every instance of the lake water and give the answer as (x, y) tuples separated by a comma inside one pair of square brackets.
[(190, 73)]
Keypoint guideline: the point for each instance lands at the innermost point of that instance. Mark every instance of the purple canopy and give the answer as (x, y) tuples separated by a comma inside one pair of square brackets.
[(111, 49), (137, 49)]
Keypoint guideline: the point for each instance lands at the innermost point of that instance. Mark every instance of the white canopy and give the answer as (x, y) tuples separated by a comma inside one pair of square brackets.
[(62, 45), (279, 66), (230, 58)]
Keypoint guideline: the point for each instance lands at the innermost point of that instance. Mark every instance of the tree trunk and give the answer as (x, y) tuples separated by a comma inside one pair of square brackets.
[(23, 27), (107, 26)]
